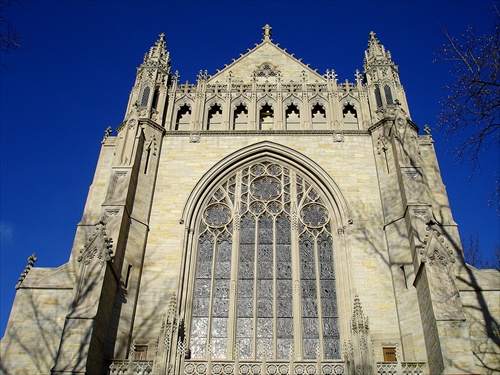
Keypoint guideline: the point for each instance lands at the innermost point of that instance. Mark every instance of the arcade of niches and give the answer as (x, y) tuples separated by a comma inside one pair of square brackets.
[(267, 219)]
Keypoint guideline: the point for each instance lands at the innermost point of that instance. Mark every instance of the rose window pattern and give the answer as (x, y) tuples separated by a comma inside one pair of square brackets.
[(264, 279)]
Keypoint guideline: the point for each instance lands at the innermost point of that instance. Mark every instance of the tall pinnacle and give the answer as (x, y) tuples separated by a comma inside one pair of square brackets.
[(376, 53), (158, 54)]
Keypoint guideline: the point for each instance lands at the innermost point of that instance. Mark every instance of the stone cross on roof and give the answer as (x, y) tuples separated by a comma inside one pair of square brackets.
[(267, 32)]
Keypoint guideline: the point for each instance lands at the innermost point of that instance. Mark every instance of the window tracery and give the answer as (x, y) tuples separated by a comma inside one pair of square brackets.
[(266, 214), (266, 70)]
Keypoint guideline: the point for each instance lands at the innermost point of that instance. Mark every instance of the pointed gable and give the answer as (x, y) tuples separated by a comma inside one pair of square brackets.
[(266, 62)]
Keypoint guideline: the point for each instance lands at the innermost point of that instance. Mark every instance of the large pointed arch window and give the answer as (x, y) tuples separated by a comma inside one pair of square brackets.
[(264, 278)]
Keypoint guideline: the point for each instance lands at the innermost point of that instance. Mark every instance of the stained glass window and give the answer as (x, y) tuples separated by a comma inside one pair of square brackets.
[(246, 239)]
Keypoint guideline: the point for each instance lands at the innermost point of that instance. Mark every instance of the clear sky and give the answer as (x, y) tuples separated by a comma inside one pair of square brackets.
[(72, 77)]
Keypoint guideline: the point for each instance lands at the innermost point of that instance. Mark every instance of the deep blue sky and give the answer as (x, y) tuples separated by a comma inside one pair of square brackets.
[(73, 75)]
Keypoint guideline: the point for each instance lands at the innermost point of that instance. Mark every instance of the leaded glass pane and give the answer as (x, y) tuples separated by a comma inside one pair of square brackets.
[(264, 327), (202, 288), (284, 307), (330, 327), (285, 327), (329, 307), (199, 327), (284, 288), (219, 327), (328, 289), (264, 344), (198, 345), (310, 348), (245, 327), (264, 306), (284, 270), (200, 306), (246, 347), (245, 307), (284, 347), (221, 307), (223, 269), (265, 230), (309, 307), (331, 348), (219, 347), (246, 288)]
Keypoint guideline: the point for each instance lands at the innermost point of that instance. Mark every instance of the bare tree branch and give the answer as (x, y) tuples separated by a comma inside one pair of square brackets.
[(9, 36), (471, 111)]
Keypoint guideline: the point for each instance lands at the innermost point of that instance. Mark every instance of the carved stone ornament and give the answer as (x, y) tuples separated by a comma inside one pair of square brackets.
[(432, 235), (338, 137), (107, 132), (132, 123), (421, 213), (411, 173), (98, 245), (31, 262), (194, 138)]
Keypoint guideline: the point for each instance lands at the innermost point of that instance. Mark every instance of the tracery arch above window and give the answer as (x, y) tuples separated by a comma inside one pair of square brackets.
[(264, 279), (267, 70)]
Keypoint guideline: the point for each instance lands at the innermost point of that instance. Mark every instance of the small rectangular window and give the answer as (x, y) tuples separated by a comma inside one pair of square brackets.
[(141, 353), (389, 354)]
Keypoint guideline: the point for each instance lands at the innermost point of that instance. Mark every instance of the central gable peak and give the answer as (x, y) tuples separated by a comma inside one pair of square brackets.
[(266, 62)]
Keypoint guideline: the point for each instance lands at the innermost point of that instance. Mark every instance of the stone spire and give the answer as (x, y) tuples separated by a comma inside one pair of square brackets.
[(376, 53), (158, 54)]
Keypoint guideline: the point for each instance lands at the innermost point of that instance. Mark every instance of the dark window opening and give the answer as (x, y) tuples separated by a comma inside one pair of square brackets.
[(266, 117), (318, 117), (156, 98), (214, 117), (183, 118), (292, 115), (145, 96), (240, 120), (388, 95), (378, 96)]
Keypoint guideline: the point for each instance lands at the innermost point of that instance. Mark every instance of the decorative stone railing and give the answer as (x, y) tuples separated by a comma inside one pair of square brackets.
[(126, 367), (263, 368), (400, 368)]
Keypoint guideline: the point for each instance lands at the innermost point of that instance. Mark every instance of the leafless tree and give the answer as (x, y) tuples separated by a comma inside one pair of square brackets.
[(9, 36), (471, 111), (476, 257)]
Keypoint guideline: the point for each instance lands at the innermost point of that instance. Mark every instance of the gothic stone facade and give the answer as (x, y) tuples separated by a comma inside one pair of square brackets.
[(265, 220)]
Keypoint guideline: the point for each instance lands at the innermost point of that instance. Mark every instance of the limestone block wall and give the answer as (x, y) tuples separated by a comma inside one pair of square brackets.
[(349, 163), (480, 295), (36, 321)]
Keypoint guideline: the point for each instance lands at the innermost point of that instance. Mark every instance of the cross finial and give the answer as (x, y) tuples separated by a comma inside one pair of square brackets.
[(372, 34), (267, 32)]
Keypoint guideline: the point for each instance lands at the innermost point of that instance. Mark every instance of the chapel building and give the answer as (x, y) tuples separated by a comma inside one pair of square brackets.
[(266, 220)]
